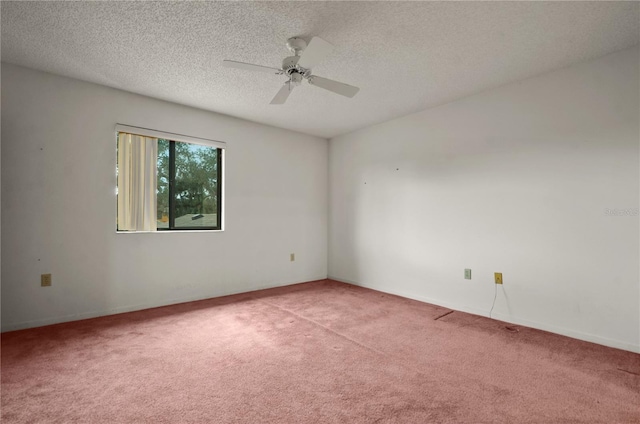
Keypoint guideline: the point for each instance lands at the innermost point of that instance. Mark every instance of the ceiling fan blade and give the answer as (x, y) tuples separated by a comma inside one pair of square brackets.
[(282, 94), (314, 53), (334, 86), (250, 67)]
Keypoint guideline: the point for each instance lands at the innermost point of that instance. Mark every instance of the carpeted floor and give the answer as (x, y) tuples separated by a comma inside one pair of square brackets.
[(320, 352)]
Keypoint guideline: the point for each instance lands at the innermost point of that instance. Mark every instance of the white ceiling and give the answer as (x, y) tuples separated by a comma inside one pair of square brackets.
[(404, 56)]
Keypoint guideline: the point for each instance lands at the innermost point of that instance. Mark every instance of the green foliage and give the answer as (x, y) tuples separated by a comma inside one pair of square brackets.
[(196, 182), (163, 178)]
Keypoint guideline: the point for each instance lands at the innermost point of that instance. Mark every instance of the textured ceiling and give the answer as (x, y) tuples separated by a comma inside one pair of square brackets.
[(404, 56)]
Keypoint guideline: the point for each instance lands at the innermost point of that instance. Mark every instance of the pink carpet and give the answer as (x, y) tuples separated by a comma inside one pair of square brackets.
[(320, 352)]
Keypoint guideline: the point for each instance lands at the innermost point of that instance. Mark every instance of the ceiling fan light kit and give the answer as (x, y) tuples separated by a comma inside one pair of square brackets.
[(299, 67)]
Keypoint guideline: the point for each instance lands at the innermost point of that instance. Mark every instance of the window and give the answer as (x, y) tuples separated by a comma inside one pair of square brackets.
[(167, 181)]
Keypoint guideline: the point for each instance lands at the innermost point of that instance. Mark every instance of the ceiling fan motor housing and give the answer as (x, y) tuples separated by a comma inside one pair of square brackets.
[(290, 64), (290, 67)]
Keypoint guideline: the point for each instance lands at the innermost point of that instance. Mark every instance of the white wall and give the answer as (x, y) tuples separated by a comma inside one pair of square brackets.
[(513, 180), (0, 201), (59, 206)]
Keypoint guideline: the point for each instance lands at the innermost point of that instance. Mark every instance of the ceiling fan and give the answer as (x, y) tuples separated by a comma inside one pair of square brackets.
[(298, 67)]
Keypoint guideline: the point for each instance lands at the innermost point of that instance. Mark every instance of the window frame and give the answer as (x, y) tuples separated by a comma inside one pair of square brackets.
[(172, 194), (173, 138)]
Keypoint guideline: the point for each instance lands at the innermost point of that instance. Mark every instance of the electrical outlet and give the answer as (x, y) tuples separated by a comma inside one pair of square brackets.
[(498, 276), (45, 280), (467, 274), (292, 257)]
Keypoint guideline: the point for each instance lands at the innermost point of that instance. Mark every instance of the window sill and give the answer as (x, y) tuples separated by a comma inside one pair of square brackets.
[(169, 231)]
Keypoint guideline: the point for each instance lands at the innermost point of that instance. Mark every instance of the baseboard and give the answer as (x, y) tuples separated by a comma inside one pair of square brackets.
[(461, 308), (137, 307), (506, 318), (587, 337)]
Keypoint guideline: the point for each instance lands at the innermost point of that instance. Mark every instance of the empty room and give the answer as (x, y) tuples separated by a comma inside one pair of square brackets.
[(320, 212)]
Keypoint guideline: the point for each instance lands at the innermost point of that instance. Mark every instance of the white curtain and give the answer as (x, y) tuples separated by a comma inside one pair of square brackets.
[(137, 163)]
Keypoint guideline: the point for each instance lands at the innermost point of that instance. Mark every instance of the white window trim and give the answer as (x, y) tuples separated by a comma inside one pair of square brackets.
[(170, 136)]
